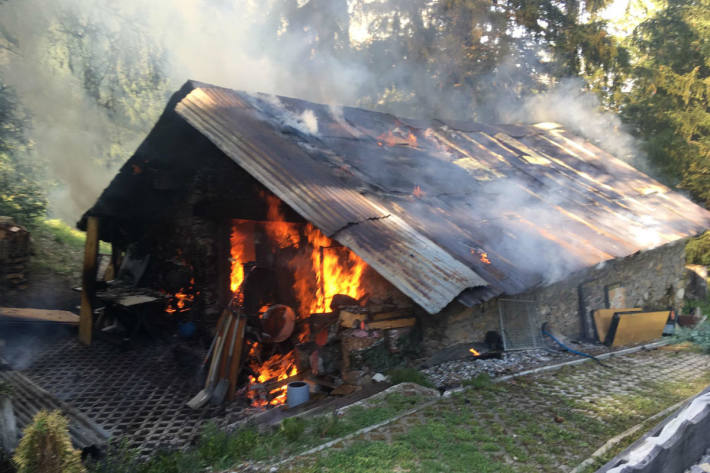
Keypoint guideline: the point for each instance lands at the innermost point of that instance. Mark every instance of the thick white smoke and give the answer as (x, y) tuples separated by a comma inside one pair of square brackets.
[(227, 43)]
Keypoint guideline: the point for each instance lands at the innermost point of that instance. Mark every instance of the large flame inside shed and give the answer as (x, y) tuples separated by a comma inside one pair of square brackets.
[(321, 269)]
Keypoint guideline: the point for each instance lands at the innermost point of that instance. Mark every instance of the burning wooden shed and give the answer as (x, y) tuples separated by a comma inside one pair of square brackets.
[(464, 227)]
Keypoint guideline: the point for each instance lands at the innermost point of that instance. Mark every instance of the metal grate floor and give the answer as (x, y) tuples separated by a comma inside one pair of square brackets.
[(138, 396)]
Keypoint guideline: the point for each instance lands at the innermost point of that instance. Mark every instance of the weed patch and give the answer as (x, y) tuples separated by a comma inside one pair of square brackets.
[(409, 375)]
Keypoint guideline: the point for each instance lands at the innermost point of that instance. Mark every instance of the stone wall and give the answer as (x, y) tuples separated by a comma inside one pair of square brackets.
[(651, 279)]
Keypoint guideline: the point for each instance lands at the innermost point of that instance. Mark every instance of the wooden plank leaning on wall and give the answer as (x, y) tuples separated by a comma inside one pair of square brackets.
[(88, 281)]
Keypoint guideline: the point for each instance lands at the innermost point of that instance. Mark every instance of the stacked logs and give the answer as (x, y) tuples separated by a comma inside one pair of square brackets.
[(354, 341), (14, 253)]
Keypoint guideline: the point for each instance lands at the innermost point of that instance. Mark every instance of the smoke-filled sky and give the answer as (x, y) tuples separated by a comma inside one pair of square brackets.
[(45, 46)]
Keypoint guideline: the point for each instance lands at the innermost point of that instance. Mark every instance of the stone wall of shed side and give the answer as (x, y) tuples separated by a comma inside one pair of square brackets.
[(652, 279)]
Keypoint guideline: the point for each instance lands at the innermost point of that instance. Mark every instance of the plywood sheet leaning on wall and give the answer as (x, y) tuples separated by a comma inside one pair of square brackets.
[(630, 328), (602, 319)]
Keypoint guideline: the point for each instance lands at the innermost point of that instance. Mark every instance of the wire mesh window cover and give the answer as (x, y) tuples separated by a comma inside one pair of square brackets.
[(519, 324)]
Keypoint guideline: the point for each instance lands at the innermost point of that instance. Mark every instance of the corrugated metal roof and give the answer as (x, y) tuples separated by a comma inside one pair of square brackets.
[(411, 262), (437, 207)]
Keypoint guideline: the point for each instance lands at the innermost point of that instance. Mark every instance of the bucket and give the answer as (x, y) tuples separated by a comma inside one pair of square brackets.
[(296, 393)]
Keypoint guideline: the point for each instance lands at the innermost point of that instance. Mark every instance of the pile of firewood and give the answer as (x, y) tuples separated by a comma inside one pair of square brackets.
[(14, 253), (340, 341)]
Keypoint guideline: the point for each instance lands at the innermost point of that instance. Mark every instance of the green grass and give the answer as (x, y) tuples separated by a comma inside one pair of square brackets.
[(480, 381), (63, 233), (58, 247), (409, 375), (519, 426), (218, 450)]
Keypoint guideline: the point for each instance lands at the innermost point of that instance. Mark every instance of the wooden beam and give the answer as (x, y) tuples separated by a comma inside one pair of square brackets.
[(39, 315), (88, 280), (388, 324)]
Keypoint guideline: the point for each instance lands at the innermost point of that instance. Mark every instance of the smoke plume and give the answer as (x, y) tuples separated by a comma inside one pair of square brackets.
[(64, 52)]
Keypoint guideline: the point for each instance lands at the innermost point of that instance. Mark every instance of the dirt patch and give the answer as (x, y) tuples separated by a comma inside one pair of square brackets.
[(45, 290)]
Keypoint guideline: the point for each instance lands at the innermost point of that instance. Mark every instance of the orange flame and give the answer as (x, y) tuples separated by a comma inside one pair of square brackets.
[(412, 139), (387, 138), (183, 299), (337, 269), (281, 233), (322, 270), (237, 252), (482, 255), (474, 352), (397, 137), (418, 192), (276, 368)]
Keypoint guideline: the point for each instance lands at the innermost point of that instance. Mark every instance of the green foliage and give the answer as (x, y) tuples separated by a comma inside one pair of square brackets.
[(480, 381), (127, 82), (409, 375), (670, 91), (57, 247), (699, 336), (293, 428), (22, 183), (120, 459), (691, 304), (62, 233), (452, 58), (46, 447), (697, 251)]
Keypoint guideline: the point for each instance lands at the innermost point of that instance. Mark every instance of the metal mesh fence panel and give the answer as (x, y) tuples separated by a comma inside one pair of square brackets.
[(519, 325)]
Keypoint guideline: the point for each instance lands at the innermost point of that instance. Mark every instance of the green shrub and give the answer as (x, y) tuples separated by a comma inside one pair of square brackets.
[(697, 251), (699, 336), (480, 381), (46, 447), (409, 375), (293, 428), (218, 447), (119, 459)]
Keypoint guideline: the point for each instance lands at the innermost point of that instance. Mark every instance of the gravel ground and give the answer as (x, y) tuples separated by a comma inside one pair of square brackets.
[(453, 373)]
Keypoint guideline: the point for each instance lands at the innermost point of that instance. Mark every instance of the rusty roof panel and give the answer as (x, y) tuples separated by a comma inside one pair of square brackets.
[(411, 262), (438, 207)]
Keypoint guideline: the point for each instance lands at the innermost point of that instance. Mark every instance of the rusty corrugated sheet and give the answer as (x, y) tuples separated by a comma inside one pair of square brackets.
[(411, 262), (438, 207)]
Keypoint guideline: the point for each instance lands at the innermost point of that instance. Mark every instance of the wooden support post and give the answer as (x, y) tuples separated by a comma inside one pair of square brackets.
[(235, 364), (88, 281), (114, 265)]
